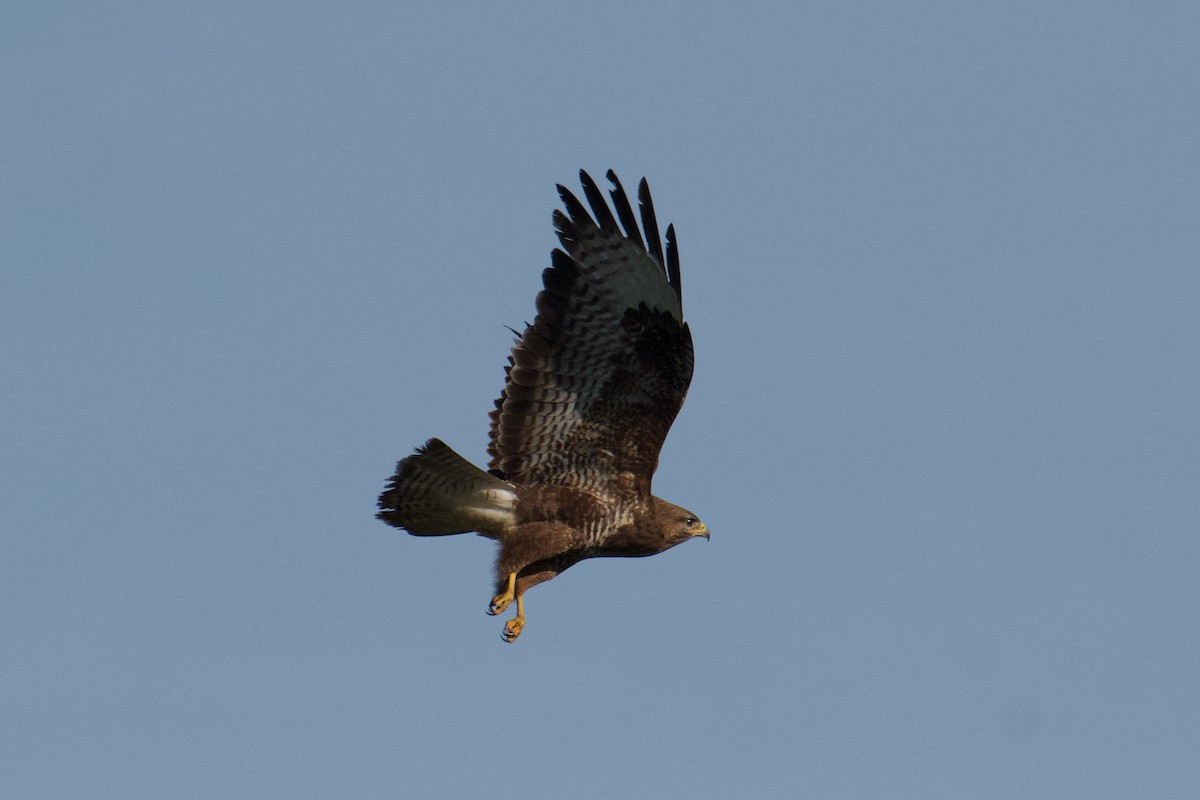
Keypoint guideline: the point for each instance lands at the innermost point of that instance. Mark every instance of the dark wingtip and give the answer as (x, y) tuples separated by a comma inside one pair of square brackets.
[(650, 222), (575, 209), (673, 264), (568, 224), (595, 197), (625, 210)]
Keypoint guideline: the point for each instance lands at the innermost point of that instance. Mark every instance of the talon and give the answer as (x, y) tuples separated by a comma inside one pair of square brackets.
[(513, 628), (501, 601)]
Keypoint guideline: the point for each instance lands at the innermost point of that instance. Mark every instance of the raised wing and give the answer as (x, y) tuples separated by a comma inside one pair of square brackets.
[(593, 385)]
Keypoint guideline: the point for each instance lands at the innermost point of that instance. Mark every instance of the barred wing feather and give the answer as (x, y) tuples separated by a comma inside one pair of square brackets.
[(593, 385)]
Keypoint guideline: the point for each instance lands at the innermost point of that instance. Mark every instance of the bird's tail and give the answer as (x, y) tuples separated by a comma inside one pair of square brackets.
[(436, 492)]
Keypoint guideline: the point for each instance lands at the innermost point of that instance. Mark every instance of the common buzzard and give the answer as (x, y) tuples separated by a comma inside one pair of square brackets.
[(590, 390)]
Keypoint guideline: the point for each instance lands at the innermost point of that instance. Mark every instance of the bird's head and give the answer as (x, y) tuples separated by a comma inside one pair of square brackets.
[(677, 524)]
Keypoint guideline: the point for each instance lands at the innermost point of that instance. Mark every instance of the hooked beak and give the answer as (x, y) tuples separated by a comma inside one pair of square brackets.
[(702, 532)]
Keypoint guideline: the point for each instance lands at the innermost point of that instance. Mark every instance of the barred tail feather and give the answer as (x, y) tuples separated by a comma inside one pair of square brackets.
[(436, 492)]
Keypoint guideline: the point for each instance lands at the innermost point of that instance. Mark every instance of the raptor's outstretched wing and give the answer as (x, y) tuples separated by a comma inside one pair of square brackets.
[(593, 385)]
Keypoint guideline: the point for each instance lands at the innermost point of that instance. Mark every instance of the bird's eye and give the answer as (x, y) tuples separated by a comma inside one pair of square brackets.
[(690, 521)]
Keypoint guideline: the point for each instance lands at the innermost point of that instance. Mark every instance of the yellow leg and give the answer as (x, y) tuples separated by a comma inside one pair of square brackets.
[(501, 601), (512, 628)]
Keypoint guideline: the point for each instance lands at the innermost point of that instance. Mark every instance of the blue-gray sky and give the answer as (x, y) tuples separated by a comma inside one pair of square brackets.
[(941, 265)]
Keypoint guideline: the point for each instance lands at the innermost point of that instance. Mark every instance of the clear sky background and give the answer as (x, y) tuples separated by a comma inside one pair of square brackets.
[(942, 266)]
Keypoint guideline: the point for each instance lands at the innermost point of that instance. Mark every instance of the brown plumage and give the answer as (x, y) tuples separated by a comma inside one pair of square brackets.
[(591, 389)]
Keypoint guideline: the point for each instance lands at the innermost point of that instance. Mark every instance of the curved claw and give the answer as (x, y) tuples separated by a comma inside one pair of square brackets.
[(501, 601), (513, 628)]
